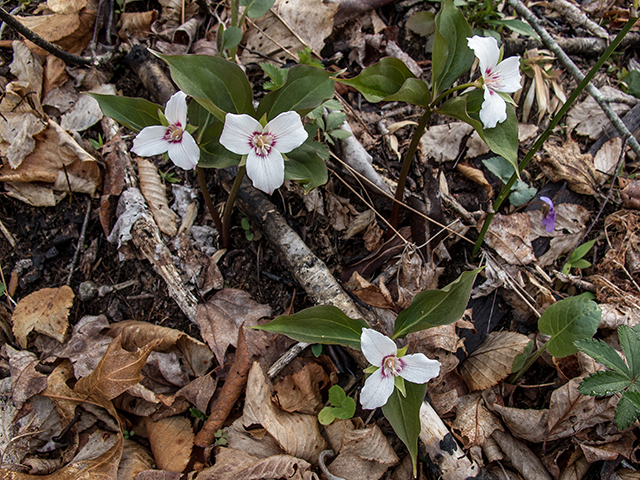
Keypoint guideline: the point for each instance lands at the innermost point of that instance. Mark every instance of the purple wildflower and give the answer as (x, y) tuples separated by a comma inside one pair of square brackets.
[(548, 214)]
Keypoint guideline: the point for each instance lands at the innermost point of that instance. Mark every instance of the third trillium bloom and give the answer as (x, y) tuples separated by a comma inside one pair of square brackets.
[(263, 146), (173, 139), (382, 352), (503, 77)]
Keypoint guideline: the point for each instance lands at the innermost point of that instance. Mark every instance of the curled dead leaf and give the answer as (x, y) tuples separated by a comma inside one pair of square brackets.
[(171, 441), (477, 176), (156, 196)]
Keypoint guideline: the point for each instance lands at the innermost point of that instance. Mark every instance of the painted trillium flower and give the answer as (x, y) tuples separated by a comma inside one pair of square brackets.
[(503, 77), (173, 139), (382, 352), (263, 146), (548, 214)]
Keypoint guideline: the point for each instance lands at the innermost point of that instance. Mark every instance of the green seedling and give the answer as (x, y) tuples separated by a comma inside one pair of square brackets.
[(97, 144), (249, 233), (344, 407), (576, 259)]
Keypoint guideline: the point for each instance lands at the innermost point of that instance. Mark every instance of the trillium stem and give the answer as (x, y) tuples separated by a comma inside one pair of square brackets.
[(209, 203), (406, 167), (228, 208), (504, 194)]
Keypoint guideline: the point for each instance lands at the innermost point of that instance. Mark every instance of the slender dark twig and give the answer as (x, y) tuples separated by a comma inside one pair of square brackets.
[(80, 245), (41, 42)]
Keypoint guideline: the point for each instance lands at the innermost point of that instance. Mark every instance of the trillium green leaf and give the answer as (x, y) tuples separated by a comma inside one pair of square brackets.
[(133, 113), (436, 307), (303, 90), (217, 84), (212, 154), (502, 139), (390, 79), (403, 414), (324, 324), (452, 57), (570, 319), (304, 165)]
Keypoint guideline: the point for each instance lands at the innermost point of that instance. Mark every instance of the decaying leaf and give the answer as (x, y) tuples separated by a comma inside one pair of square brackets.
[(300, 392), (233, 464), (374, 295), (25, 380), (477, 176), (474, 423), (509, 236), (566, 163), (135, 459), (45, 311), (171, 441), (587, 118), (16, 132), (136, 24), (523, 459), (256, 442), (86, 111), (24, 94), (155, 194), (221, 317), (492, 361), (443, 142), (288, 20), (299, 435)]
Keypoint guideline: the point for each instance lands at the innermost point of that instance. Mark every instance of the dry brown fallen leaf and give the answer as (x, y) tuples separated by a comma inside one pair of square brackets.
[(476, 175), (373, 295), (443, 142), (474, 423), (171, 441), (155, 194), (509, 236), (310, 20), (221, 317), (136, 24), (492, 361), (135, 459), (301, 391), (363, 453), (256, 441), (590, 120), (234, 464), (194, 355), (523, 459), (25, 380), (565, 163), (299, 435), (46, 311)]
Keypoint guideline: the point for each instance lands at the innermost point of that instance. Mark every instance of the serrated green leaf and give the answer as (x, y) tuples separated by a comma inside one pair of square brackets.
[(403, 414), (436, 307), (626, 411), (634, 398), (390, 79), (603, 353), (324, 324), (133, 113), (630, 343), (217, 84), (334, 120), (304, 89), (452, 56), (568, 320), (604, 384), (278, 76), (305, 166), (257, 8)]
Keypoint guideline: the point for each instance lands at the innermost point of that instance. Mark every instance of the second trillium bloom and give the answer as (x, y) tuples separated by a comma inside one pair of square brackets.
[(503, 77), (173, 139), (263, 146), (382, 352)]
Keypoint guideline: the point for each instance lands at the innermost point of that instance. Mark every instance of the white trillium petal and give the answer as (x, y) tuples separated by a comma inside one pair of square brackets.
[(509, 73), (266, 173), (486, 49), (186, 153), (151, 141), (376, 346), (418, 368), (376, 391), (237, 133), (494, 109), (176, 110), (288, 131)]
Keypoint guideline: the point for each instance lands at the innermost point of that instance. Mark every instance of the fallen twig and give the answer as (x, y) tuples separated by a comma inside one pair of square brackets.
[(80, 245)]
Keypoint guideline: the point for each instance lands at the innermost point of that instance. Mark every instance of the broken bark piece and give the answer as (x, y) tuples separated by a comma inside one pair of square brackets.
[(152, 76), (443, 449)]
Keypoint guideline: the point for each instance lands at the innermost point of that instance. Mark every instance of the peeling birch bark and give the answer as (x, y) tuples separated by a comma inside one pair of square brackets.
[(443, 449), (145, 234), (308, 270)]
